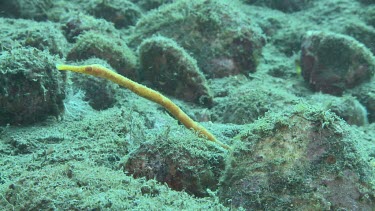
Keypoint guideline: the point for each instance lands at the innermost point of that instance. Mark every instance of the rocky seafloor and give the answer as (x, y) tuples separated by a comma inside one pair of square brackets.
[(288, 85)]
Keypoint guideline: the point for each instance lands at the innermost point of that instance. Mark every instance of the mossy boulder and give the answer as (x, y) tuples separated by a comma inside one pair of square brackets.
[(224, 40), (305, 158), (332, 63), (113, 50), (30, 88), (171, 70)]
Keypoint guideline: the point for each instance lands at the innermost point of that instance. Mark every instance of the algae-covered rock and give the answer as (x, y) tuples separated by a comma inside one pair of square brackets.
[(30, 89), (183, 164), (332, 62), (173, 71), (43, 36), (362, 32), (114, 51), (366, 95), (35, 9), (121, 13), (151, 4), (79, 24), (247, 103), (347, 107), (222, 39), (303, 159), (83, 186), (284, 5)]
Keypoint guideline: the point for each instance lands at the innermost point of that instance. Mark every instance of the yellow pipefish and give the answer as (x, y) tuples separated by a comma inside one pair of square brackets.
[(143, 91)]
